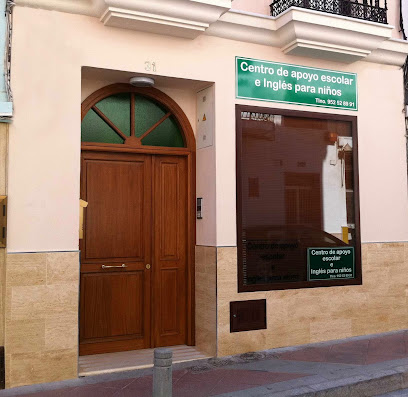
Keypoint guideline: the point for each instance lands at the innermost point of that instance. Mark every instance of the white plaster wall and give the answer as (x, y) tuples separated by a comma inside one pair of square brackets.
[(49, 49)]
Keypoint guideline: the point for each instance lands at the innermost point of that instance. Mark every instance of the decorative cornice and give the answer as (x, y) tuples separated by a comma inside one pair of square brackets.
[(297, 31), (116, 17), (391, 52), (183, 18), (314, 34)]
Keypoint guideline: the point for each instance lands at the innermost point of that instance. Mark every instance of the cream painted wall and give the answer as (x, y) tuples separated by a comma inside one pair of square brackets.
[(45, 136), (262, 7)]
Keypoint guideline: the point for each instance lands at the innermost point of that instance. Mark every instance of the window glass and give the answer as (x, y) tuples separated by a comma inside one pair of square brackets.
[(116, 111), (94, 129), (147, 113), (296, 218), (166, 134)]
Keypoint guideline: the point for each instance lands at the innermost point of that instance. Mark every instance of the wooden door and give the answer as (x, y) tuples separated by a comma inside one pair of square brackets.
[(170, 250), (133, 255)]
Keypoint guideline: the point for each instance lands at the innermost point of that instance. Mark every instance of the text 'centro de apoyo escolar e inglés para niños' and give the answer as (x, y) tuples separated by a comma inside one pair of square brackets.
[(279, 82), (299, 76)]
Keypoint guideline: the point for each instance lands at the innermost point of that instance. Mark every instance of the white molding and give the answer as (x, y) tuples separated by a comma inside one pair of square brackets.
[(158, 24), (391, 52), (321, 50), (346, 40), (183, 18), (314, 34)]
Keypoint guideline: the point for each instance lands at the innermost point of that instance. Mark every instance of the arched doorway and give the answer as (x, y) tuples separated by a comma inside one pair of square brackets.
[(137, 251)]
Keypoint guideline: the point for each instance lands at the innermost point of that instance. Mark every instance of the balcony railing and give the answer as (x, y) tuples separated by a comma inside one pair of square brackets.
[(369, 10)]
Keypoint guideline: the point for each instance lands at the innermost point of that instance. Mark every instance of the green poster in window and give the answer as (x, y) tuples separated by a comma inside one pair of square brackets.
[(330, 263), (281, 82)]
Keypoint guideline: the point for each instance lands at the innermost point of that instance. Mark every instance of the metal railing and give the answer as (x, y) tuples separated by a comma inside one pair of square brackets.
[(369, 10)]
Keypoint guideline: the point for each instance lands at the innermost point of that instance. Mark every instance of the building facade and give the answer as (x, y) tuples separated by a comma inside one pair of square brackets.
[(208, 202)]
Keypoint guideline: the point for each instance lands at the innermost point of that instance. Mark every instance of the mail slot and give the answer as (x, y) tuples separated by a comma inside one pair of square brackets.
[(3, 221)]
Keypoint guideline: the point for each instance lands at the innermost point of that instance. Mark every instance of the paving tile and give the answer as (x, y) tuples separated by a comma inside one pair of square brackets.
[(374, 358), (141, 387), (47, 393), (310, 367), (256, 377), (117, 384), (82, 391), (295, 383), (343, 373), (346, 357), (305, 367), (355, 347), (388, 345), (312, 354), (197, 384), (222, 388), (229, 380), (405, 336), (179, 374), (399, 393), (90, 391)]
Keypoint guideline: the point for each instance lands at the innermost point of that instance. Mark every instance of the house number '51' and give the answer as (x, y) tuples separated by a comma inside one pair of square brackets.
[(150, 66)]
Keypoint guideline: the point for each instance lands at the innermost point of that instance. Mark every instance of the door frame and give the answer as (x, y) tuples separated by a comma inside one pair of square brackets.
[(189, 151)]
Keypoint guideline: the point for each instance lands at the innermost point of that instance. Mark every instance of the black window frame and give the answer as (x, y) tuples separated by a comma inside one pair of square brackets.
[(301, 284)]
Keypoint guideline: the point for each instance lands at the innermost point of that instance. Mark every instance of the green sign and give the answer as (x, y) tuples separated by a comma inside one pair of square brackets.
[(281, 82), (330, 263)]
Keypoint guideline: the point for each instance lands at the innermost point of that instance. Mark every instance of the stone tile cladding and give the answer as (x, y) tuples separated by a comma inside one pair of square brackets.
[(41, 317), (41, 309), (206, 299), (302, 316)]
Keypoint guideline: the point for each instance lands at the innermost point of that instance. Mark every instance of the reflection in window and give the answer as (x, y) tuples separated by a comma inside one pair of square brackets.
[(301, 172)]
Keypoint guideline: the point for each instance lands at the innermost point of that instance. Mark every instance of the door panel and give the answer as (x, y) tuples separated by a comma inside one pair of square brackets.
[(103, 320), (136, 215), (115, 218), (169, 305), (170, 250), (167, 212), (115, 308)]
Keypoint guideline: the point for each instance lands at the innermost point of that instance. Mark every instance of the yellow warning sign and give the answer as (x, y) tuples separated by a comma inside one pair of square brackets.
[(204, 118)]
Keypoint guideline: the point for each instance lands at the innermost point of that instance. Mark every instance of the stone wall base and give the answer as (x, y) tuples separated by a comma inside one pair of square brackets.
[(41, 317)]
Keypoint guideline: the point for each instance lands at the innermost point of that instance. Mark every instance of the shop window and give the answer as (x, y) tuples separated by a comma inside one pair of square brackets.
[(297, 223), (128, 118)]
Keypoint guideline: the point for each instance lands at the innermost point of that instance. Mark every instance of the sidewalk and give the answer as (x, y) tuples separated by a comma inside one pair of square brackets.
[(361, 366)]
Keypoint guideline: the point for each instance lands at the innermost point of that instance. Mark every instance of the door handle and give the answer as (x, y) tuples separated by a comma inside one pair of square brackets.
[(110, 267), (148, 266)]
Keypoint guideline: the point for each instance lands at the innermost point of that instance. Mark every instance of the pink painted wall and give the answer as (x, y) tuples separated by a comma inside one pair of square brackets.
[(49, 50), (262, 7)]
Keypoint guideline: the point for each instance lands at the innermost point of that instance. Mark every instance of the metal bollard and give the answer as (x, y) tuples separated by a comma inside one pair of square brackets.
[(162, 373)]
